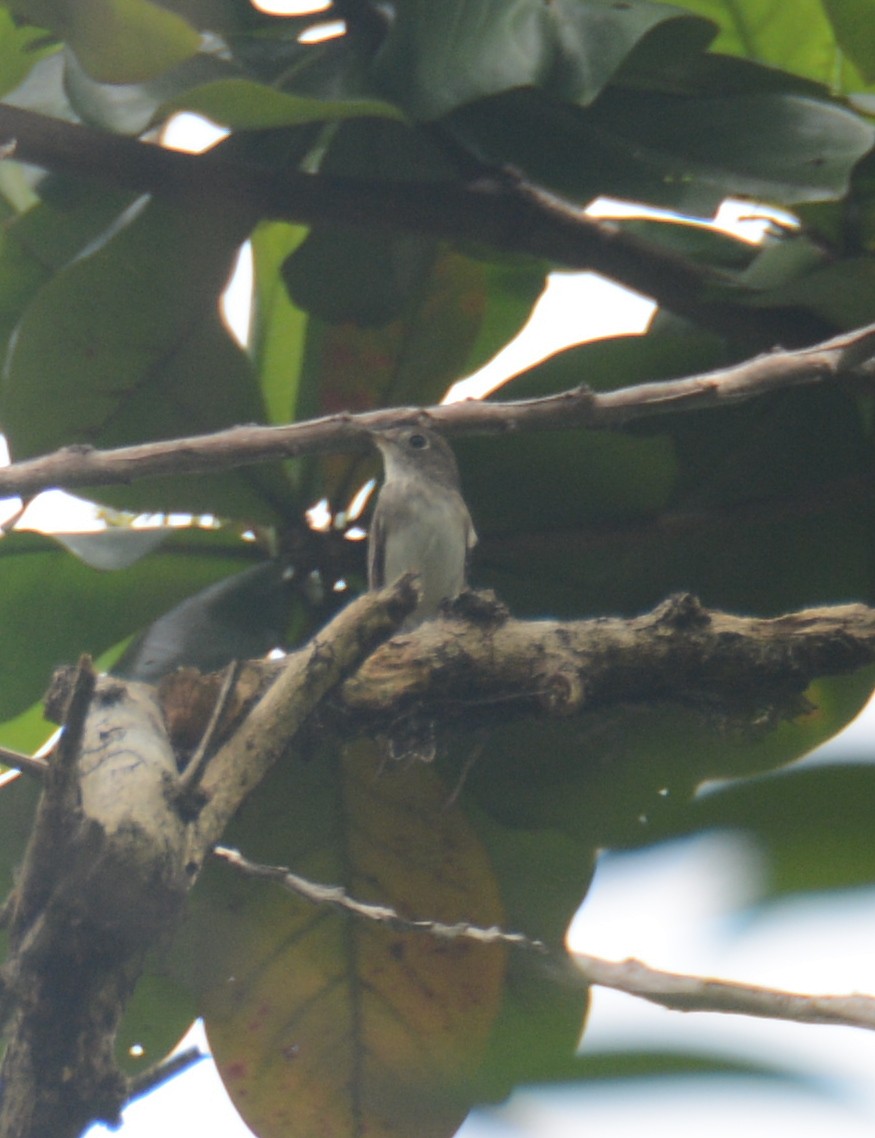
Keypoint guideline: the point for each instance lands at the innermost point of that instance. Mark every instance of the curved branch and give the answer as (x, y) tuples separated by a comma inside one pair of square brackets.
[(845, 357), (673, 990), (504, 212), (746, 668)]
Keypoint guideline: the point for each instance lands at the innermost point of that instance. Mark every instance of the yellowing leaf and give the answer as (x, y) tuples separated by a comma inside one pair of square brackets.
[(324, 1024)]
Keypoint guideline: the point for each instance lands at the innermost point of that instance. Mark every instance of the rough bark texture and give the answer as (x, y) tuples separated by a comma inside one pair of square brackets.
[(678, 652), (119, 837), (114, 850)]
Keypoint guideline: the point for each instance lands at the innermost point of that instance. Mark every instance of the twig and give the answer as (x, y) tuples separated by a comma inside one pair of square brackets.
[(684, 993), (28, 764), (187, 788), (673, 990), (336, 897), (847, 357), (161, 1072)]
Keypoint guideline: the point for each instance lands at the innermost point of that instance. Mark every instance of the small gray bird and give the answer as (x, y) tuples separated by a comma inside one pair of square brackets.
[(421, 523)]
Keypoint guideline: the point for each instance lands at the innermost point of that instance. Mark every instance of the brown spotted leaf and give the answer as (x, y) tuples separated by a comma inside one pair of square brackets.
[(325, 1024)]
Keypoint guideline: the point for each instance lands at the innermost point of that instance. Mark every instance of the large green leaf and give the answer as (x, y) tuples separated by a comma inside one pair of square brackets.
[(243, 104), (53, 607), (279, 328), (808, 37), (20, 49), (812, 825), (629, 776), (126, 345), (361, 276), (132, 108), (465, 308), (385, 1028), (842, 294), (852, 24), (392, 319), (440, 57), (673, 150), (46, 237), (117, 41)]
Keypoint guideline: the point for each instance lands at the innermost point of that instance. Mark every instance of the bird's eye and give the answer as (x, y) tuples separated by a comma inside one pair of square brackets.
[(418, 442)]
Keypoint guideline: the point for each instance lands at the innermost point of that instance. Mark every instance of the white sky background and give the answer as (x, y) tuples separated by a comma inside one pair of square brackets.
[(680, 908)]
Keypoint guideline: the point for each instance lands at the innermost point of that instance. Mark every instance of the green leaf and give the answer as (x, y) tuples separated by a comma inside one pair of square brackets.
[(394, 319), (20, 49), (440, 57), (132, 108), (358, 277), (812, 826), (156, 1017), (54, 607), (304, 980), (629, 1064), (238, 618), (279, 329), (126, 345), (47, 236), (677, 151), (796, 37), (544, 876), (26, 732), (18, 799), (629, 777), (364, 277), (117, 41), (756, 514), (414, 359), (842, 293), (243, 104), (852, 22)]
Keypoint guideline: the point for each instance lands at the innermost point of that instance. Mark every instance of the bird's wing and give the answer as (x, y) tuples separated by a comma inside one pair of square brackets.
[(377, 538), (377, 550), (470, 535)]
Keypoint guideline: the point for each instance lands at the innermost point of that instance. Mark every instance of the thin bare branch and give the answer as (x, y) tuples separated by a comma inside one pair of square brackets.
[(673, 990), (684, 993), (27, 764), (336, 897), (846, 357), (166, 1069)]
